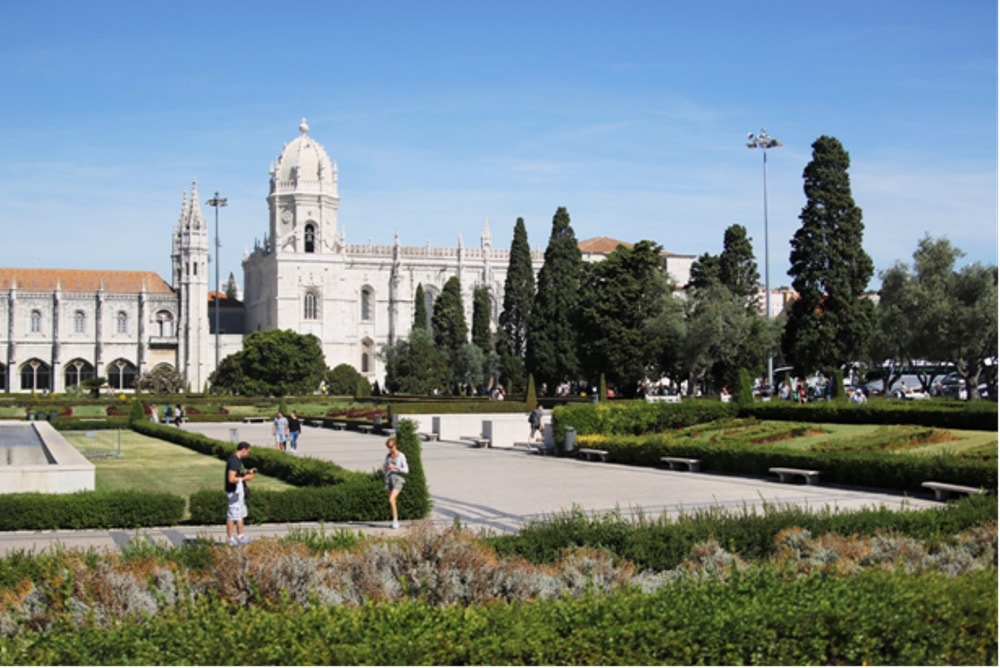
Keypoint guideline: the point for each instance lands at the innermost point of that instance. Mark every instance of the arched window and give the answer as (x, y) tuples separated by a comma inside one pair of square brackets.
[(121, 375), (122, 323), (164, 323), (78, 371), (310, 238), (310, 304), (366, 356), (79, 322), (36, 321), (36, 376), (367, 304)]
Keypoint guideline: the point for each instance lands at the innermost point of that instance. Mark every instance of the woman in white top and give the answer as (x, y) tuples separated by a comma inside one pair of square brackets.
[(394, 469)]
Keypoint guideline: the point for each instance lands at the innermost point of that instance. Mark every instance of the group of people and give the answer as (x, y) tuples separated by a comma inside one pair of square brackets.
[(286, 431), (171, 415), (394, 471)]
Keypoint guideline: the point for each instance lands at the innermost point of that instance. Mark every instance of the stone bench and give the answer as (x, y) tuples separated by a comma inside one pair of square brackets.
[(478, 441), (429, 436), (668, 398), (789, 474), (591, 452), (256, 418), (943, 490), (339, 425), (682, 463), (366, 428)]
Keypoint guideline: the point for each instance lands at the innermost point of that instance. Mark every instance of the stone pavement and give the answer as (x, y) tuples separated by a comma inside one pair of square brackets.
[(496, 490)]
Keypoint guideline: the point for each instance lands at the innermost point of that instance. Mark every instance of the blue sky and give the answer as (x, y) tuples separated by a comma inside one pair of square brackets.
[(633, 115)]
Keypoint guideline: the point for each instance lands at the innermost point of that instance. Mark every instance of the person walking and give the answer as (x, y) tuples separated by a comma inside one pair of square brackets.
[(236, 492), (294, 429), (394, 469), (535, 420), (280, 431)]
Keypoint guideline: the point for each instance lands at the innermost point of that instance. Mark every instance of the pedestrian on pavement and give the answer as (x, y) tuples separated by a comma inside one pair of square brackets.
[(294, 428), (154, 414), (280, 431), (535, 420), (394, 470), (236, 491)]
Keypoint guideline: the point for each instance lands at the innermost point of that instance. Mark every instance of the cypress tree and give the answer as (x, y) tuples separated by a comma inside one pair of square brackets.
[(552, 342), (737, 267), (419, 308), (481, 335), (518, 294), (830, 322), (448, 322)]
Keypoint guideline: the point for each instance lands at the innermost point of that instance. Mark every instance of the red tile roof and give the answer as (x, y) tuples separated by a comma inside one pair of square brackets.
[(601, 245), (82, 280)]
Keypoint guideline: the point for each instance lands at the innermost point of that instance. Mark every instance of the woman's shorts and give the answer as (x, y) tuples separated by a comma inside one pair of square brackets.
[(394, 481)]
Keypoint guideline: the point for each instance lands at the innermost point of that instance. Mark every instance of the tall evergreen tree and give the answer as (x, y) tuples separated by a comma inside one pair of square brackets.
[(617, 296), (738, 268), (481, 307), (518, 294), (419, 308), (231, 290), (448, 322), (552, 340), (830, 323)]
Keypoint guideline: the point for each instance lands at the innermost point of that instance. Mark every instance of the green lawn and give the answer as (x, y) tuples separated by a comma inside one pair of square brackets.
[(806, 436), (154, 465)]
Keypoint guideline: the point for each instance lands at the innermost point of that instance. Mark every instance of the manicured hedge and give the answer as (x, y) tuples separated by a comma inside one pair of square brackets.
[(89, 510), (327, 491), (761, 617), (974, 415)]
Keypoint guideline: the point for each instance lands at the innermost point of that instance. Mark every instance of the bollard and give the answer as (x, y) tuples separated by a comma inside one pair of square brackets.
[(569, 439), (234, 435)]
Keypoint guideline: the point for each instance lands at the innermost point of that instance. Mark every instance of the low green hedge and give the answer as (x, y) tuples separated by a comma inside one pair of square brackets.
[(974, 415), (884, 470), (327, 491), (89, 510), (760, 617)]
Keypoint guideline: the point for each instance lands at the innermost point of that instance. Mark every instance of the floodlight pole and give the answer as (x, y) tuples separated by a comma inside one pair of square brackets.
[(764, 141), (217, 202)]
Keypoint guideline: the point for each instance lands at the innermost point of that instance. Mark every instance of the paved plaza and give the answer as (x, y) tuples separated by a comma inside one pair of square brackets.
[(498, 490)]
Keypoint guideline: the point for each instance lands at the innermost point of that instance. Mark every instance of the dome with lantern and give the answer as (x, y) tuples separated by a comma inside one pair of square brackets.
[(304, 166)]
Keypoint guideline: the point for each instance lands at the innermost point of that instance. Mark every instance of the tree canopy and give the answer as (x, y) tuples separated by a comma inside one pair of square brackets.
[(518, 294), (830, 323), (273, 362), (551, 355)]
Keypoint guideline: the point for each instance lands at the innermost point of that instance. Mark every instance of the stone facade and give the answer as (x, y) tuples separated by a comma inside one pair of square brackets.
[(61, 326)]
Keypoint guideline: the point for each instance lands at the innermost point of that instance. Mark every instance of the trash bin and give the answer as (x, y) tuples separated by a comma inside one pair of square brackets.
[(234, 435), (31, 416), (53, 416), (377, 423), (569, 439)]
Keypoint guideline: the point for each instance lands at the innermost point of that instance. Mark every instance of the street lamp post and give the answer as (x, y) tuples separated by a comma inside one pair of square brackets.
[(764, 141), (217, 202)]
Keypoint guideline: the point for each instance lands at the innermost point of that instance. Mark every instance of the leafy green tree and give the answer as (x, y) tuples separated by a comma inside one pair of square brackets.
[(448, 322), (344, 379), (518, 294), (162, 380), (415, 366), (273, 362), (481, 310), (551, 354), (420, 320), (972, 326), (470, 364), (665, 331), (617, 296), (830, 323), (705, 271), (709, 344)]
